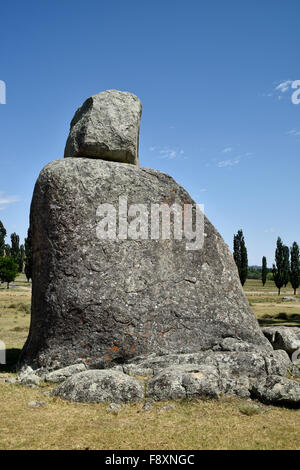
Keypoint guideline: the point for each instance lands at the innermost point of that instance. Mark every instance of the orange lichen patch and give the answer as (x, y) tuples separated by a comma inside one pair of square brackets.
[(107, 357), (132, 348), (167, 331), (83, 346), (115, 348)]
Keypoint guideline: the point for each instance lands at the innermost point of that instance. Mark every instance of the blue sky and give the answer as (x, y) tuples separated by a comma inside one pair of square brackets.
[(215, 81)]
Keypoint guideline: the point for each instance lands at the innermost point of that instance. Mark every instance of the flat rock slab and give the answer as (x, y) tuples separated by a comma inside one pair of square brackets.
[(106, 126), (105, 301), (290, 299), (62, 374), (94, 386), (249, 363)]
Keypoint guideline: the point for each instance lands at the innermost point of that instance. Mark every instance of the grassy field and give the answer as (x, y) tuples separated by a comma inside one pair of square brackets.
[(225, 424), (269, 307)]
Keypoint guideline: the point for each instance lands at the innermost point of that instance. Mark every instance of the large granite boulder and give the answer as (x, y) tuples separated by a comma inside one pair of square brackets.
[(106, 300), (106, 126)]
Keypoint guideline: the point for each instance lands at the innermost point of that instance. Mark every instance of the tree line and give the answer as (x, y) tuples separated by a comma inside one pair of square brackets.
[(14, 258), (285, 269)]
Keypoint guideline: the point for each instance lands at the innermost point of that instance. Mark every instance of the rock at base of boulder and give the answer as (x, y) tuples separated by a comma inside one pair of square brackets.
[(276, 390), (94, 386), (27, 376), (185, 381), (203, 375), (283, 337), (62, 374)]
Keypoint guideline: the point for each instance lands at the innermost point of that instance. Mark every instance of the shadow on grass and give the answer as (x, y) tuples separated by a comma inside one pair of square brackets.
[(280, 319), (12, 356)]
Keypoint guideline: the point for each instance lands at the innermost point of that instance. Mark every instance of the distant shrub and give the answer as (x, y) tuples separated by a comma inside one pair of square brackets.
[(250, 409)]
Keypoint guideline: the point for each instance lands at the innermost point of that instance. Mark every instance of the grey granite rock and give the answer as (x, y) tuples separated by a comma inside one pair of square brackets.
[(114, 408), (36, 404), (26, 376), (106, 301), (190, 381), (283, 337), (106, 126), (290, 299), (276, 390), (249, 363), (62, 374), (95, 386)]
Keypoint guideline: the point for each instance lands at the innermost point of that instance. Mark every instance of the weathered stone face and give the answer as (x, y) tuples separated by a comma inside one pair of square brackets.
[(106, 301), (106, 126)]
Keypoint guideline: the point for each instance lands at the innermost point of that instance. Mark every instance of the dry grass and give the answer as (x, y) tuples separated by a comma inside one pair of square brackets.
[(224, 424), (191, 425), (15, 315)]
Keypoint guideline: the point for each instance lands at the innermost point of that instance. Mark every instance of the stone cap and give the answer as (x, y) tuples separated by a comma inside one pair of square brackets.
[(107, 127)]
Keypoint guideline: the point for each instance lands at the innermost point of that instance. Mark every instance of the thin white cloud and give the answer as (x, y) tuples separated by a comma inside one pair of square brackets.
[(234, 160), (280, 89), (270, 230), (293, 132), (6, 200), (283, 87), (227, 150), (230, 162), (167, 152)]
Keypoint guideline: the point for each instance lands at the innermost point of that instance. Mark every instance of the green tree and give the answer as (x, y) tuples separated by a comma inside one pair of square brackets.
[(8, 270), (7, 250), (240, 255), (286, 269), (21, 259), (264, 270), (2, 239), (28, 255), (15, 247), (295, 267), (279, 266)]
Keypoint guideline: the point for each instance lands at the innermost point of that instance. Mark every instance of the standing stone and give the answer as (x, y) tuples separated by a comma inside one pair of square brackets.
[(109, 300), (106, 126)]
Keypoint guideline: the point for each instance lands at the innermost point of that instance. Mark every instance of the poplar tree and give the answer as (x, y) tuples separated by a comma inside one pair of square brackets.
[(295, 267), (2, 239), (264, 270), (28, 255), (279, 266), (286, 269), (15, 247), (240, 256)]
